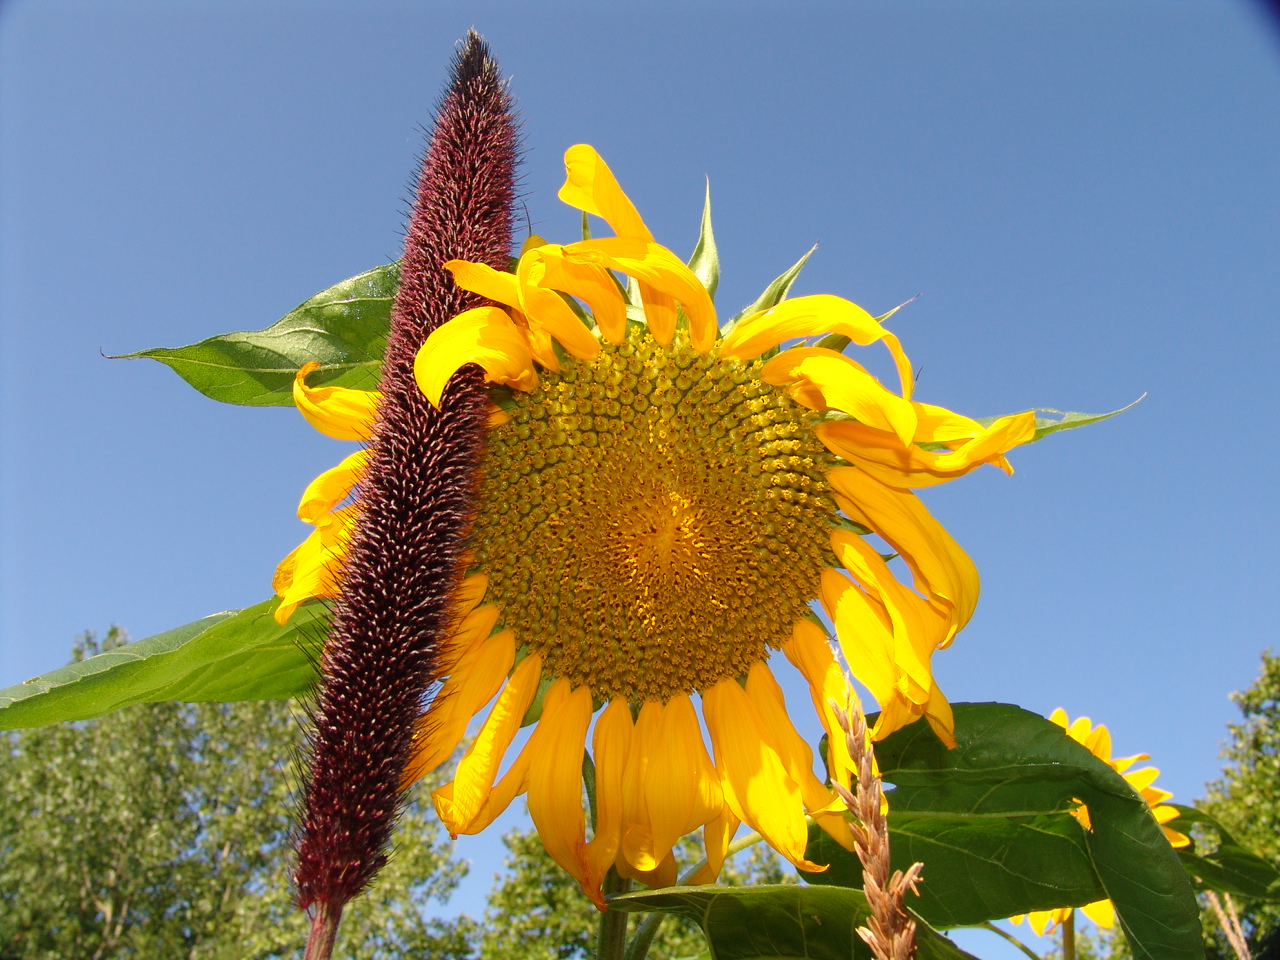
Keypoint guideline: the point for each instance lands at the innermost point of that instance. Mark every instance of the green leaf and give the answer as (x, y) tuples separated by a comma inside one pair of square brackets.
[(998, 802), (1227, 866), (237, 655), (782, 920), (705, 262), (775, 292), (978, 868), (344, 328), (1064, 420)]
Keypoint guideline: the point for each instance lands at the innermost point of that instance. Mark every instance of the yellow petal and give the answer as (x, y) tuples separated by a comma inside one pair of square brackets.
[(469, 594), (513, 783), (822, 803), (546, 309), (479, 765), (682, 791), (555, 777), (716, 837), (663, 875), (1101, 912), (548, 267), (811, 654), (484, 335), (765, 795), (806, 317), (591, 187), (471, 631), (471, 685), (314, 569), (637, 834), (337, 412), (332, 487), (885, 457), (610, 745), (842, 384), (941, 569), (664, 279)]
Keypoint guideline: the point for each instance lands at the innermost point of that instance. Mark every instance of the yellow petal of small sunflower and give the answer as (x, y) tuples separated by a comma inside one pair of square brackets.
[(591, 187), (332, 487)]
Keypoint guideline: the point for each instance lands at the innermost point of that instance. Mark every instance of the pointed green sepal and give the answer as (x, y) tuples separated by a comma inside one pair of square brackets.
[(705, 262)]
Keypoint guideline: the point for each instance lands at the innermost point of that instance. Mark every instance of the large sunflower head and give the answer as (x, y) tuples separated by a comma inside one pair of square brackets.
[(660, 504)]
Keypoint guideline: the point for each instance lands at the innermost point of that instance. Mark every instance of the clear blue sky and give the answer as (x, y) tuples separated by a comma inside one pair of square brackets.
[(1085, 195)]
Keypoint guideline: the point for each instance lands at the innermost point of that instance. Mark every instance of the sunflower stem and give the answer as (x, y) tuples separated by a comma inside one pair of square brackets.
[(638, 948), (613, 923), (1069, 937)]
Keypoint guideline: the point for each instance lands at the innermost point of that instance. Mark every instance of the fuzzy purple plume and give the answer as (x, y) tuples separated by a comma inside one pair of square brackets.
[(405, 557)]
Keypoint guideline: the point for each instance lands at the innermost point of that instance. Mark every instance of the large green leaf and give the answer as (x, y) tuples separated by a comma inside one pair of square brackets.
[(1223, 865), (997, 800), (783, 921), (344, 328), (238, 655)]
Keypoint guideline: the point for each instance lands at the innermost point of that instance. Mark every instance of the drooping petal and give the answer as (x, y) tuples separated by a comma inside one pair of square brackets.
[(332, 487), (822, 803), (513, 783), (716, 837), (483, 335), (1100, 912), (762, 792), (682, 791), (591, 187), (479, 765), (469, 634), (637, 833), (940, 566), (555, 777), (469, 593), (659, 270), (839, 383), (809, 316), (338, 412), (811, 654), (610, 745), (546, 309), (472, 684)]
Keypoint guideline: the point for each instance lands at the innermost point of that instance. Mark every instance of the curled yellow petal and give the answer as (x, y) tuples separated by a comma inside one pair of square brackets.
[(664, 280), (591, 187), (811, 654), (337, 412), (549, 267), (332, 487), (842, 384), (807, 317), (885, 457), (546, 309), (484, 335)]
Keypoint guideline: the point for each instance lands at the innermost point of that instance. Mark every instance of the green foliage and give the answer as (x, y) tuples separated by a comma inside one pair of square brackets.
[(774, 293), (162, 832), (758, 922), (705, 261), (237, 655), (1246, 798), (344, 328), (988, 819), (537, 912)]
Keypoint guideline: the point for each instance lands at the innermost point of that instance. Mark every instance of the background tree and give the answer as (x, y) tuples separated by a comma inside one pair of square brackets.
[(161, 831), (1246, 798), (537, 912)]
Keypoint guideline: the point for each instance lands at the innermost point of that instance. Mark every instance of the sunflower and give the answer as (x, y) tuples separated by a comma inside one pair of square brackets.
[(1098, 741), (660, 503)]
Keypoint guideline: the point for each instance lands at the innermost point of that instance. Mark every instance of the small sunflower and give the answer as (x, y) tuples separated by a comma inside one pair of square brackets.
[(659, 504), (1098, 741)]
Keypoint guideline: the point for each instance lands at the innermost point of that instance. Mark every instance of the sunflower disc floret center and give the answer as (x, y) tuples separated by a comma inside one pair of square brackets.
[(654, 521)]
